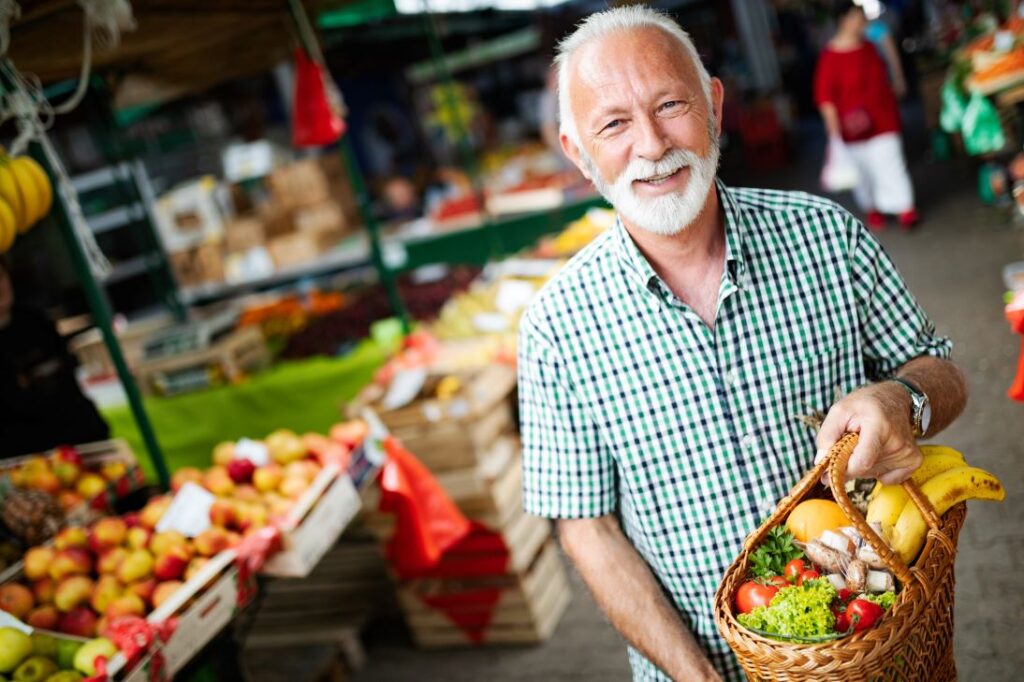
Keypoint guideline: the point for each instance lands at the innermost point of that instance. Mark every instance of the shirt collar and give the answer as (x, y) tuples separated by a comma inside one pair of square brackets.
[(640, 268)]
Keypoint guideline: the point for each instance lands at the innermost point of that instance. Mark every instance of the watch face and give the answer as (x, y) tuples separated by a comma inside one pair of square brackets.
[(926, 417)]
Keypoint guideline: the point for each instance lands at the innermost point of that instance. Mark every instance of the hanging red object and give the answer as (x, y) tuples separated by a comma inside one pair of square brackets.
[(317, 108), (1015, 316)]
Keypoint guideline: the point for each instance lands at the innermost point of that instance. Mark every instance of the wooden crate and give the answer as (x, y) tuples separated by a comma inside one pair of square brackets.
[(233, 356), (455, 433), (528, 607)]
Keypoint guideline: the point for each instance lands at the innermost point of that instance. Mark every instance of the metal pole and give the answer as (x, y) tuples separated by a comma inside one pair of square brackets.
[(387, 278), (104, 320)]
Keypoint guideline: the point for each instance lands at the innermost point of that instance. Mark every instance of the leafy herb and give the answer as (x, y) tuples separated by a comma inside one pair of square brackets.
[(775, 552), (885, 600)]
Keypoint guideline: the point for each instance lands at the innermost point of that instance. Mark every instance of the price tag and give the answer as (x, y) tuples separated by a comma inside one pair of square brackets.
[(9, 621), (404, 388), (252, 450), (189, 513), (376, 433)]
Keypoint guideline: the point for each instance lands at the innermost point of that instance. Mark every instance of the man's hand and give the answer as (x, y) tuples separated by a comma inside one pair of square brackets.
[(880, 413)]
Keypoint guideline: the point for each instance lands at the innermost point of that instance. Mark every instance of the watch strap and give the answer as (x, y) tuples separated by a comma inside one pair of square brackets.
[(917, 402)]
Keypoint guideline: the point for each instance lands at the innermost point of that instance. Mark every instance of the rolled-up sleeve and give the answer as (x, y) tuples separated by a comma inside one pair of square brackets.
[(566, 471), (893, 326)]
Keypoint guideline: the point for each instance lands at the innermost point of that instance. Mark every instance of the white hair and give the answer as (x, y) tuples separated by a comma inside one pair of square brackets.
[(600, 24)]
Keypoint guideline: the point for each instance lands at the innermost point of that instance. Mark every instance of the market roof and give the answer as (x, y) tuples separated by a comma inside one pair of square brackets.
[(179, 46)]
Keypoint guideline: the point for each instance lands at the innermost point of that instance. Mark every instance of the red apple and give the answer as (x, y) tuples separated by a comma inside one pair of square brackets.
[(240, 470), (45, 481), (128, 604), (37, 562), (171, 564), (350, 433), (143, 589), (293, 486), (186, 475), (218, 482), (72, 561), (138, 565), (44, 589), (107, 590), (138, 537), (69, 499), (16, 599), (43, 617), (164, 591), (223, 513), (194, 567), (162, 541), (247, 493), (80, 622), (73, 591), (108, 532), (110, 560), (211, 541), (71, 536)]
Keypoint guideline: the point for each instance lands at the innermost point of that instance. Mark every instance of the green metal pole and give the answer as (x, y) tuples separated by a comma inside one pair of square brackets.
[(461, 127), (104, 320), (387, 278)]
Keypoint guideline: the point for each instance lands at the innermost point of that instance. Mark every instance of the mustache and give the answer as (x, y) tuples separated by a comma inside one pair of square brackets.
[(672, 161)]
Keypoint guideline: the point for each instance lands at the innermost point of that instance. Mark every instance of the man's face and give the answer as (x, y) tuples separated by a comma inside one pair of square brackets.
[(6, 294), (648, 138)]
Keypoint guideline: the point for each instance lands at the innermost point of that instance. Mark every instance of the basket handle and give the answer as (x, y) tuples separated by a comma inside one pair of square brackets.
[(837, 460)]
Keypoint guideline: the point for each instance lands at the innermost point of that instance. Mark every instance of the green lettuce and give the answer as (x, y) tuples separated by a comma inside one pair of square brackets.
[(885, 600), (802, 611)]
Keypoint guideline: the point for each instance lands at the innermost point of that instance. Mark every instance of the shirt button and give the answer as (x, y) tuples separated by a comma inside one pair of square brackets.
[(748, 442), (732, 377)]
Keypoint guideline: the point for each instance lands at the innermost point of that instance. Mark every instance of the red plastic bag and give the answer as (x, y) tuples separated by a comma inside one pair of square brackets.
[(428, 523), (1015, 316), (317, 108)]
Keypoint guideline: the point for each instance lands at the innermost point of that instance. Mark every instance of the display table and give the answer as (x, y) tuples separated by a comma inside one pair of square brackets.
[(303, 396)]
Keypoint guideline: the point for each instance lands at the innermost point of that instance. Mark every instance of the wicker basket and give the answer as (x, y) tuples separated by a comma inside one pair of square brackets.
[(913, 642)]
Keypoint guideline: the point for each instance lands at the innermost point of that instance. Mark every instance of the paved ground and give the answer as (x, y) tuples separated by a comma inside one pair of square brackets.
[(953, 264)]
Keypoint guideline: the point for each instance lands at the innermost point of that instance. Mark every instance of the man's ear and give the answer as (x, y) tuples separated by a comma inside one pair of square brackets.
[(717, 97), (573, 152)]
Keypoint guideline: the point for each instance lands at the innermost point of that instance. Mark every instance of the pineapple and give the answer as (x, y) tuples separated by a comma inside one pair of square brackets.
[(30, 515)]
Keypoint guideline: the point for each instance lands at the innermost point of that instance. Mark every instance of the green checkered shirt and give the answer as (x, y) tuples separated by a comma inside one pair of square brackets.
[(631, 405)]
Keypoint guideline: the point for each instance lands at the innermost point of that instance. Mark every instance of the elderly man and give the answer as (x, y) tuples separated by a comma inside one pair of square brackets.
[(661, 369)]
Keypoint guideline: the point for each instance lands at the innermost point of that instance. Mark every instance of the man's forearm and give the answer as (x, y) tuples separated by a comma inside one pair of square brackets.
[(943, 383), (628, 594)]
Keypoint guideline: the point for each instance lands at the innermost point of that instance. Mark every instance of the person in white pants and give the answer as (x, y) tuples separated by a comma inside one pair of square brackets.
[(884, 185)]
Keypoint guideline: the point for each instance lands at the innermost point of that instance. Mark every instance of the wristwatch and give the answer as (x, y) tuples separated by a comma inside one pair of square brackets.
[(920, 407)]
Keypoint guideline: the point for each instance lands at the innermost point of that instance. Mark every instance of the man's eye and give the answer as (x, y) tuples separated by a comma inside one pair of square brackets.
[(670, 105), (612, 125)]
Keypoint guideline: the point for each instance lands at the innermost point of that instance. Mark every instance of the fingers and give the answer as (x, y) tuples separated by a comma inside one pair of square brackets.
[(832, 429), (901, 466), (866, 453)]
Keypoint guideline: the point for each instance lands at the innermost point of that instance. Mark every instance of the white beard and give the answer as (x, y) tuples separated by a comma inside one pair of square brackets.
[(668, 214)]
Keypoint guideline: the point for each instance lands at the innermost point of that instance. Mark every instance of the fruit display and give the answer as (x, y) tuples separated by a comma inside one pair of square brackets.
[(31, 516), (816, 578), (577, 234), (25, 197), (40, 657)]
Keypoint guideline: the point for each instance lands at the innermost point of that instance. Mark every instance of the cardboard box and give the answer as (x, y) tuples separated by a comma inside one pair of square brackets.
[(244, 233), (189, 215), (300, 247), (302, 183), (198, 265), (326, 216)]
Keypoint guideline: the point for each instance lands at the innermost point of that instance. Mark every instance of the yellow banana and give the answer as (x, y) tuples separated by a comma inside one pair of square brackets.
[(943, 491), (30, 193), (43, 184), (10, 193), (8, 226), (887, 501)]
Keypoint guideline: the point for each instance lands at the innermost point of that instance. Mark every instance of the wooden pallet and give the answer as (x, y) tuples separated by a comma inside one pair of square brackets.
[(527, 610), (233, 356), (455, 433)]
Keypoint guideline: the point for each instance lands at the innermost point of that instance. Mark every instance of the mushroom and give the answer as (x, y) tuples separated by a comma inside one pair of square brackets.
[(839, 542), (854, 535), (856, 576), (868, 555), (832, 560), (880, 581), (838, 581)]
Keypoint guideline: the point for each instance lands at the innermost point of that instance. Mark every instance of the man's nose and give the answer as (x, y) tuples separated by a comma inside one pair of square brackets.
[(651, 142)]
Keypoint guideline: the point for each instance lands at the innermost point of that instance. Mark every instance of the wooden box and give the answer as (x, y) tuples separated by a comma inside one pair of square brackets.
[(232, 357), (515, 608)]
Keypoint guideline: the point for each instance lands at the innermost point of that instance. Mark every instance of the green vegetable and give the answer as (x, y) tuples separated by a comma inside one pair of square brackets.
[(777, 550), (798, 611), (885, 600)]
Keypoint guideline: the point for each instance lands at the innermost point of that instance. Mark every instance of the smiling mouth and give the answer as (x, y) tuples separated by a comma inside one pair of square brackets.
[(659, 179)]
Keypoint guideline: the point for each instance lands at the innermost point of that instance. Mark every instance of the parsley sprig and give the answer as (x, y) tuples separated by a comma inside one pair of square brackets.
[(775, 552)]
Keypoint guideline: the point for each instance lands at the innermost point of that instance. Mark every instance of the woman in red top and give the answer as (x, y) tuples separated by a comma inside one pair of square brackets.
[(852, 91)]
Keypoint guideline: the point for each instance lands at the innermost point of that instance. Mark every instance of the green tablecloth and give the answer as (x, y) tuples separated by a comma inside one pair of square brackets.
[(302, 395)]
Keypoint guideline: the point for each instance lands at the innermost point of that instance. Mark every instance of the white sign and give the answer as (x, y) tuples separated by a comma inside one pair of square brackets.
[(404, 388), (513, 294), (252, 450), (189, 513)]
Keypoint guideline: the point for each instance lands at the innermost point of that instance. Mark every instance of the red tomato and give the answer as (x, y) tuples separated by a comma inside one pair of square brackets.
[(778, 581), (793, 569), (844, 595), (753, 594), (842, 622), (863, 614), (809, 574)]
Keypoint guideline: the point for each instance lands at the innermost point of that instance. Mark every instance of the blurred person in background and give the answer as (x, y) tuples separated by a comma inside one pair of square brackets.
[(857, 102), (41, 404)]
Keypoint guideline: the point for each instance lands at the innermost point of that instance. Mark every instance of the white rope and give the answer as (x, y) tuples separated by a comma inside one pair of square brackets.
[(9, 11)]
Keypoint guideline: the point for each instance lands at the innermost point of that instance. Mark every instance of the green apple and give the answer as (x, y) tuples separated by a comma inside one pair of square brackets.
[(66, 650), (35, 669), (65, 676), (15, 647), (45, 645), (86, 657)]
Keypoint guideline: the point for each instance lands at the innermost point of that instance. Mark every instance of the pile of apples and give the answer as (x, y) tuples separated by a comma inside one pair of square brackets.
[(250, 497), (119, 566), (65, 476)]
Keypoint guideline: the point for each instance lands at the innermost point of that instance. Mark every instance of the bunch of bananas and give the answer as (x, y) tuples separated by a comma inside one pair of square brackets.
[(946, 480), (25, 197)]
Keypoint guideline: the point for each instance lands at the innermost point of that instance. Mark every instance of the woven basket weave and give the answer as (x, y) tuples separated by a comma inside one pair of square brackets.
[(913, 642)]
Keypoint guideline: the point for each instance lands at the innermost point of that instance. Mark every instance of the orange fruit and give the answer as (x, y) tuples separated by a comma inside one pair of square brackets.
[(811, 518)]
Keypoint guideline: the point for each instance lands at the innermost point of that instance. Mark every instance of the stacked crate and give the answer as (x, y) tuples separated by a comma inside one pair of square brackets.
[(505, 583)]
